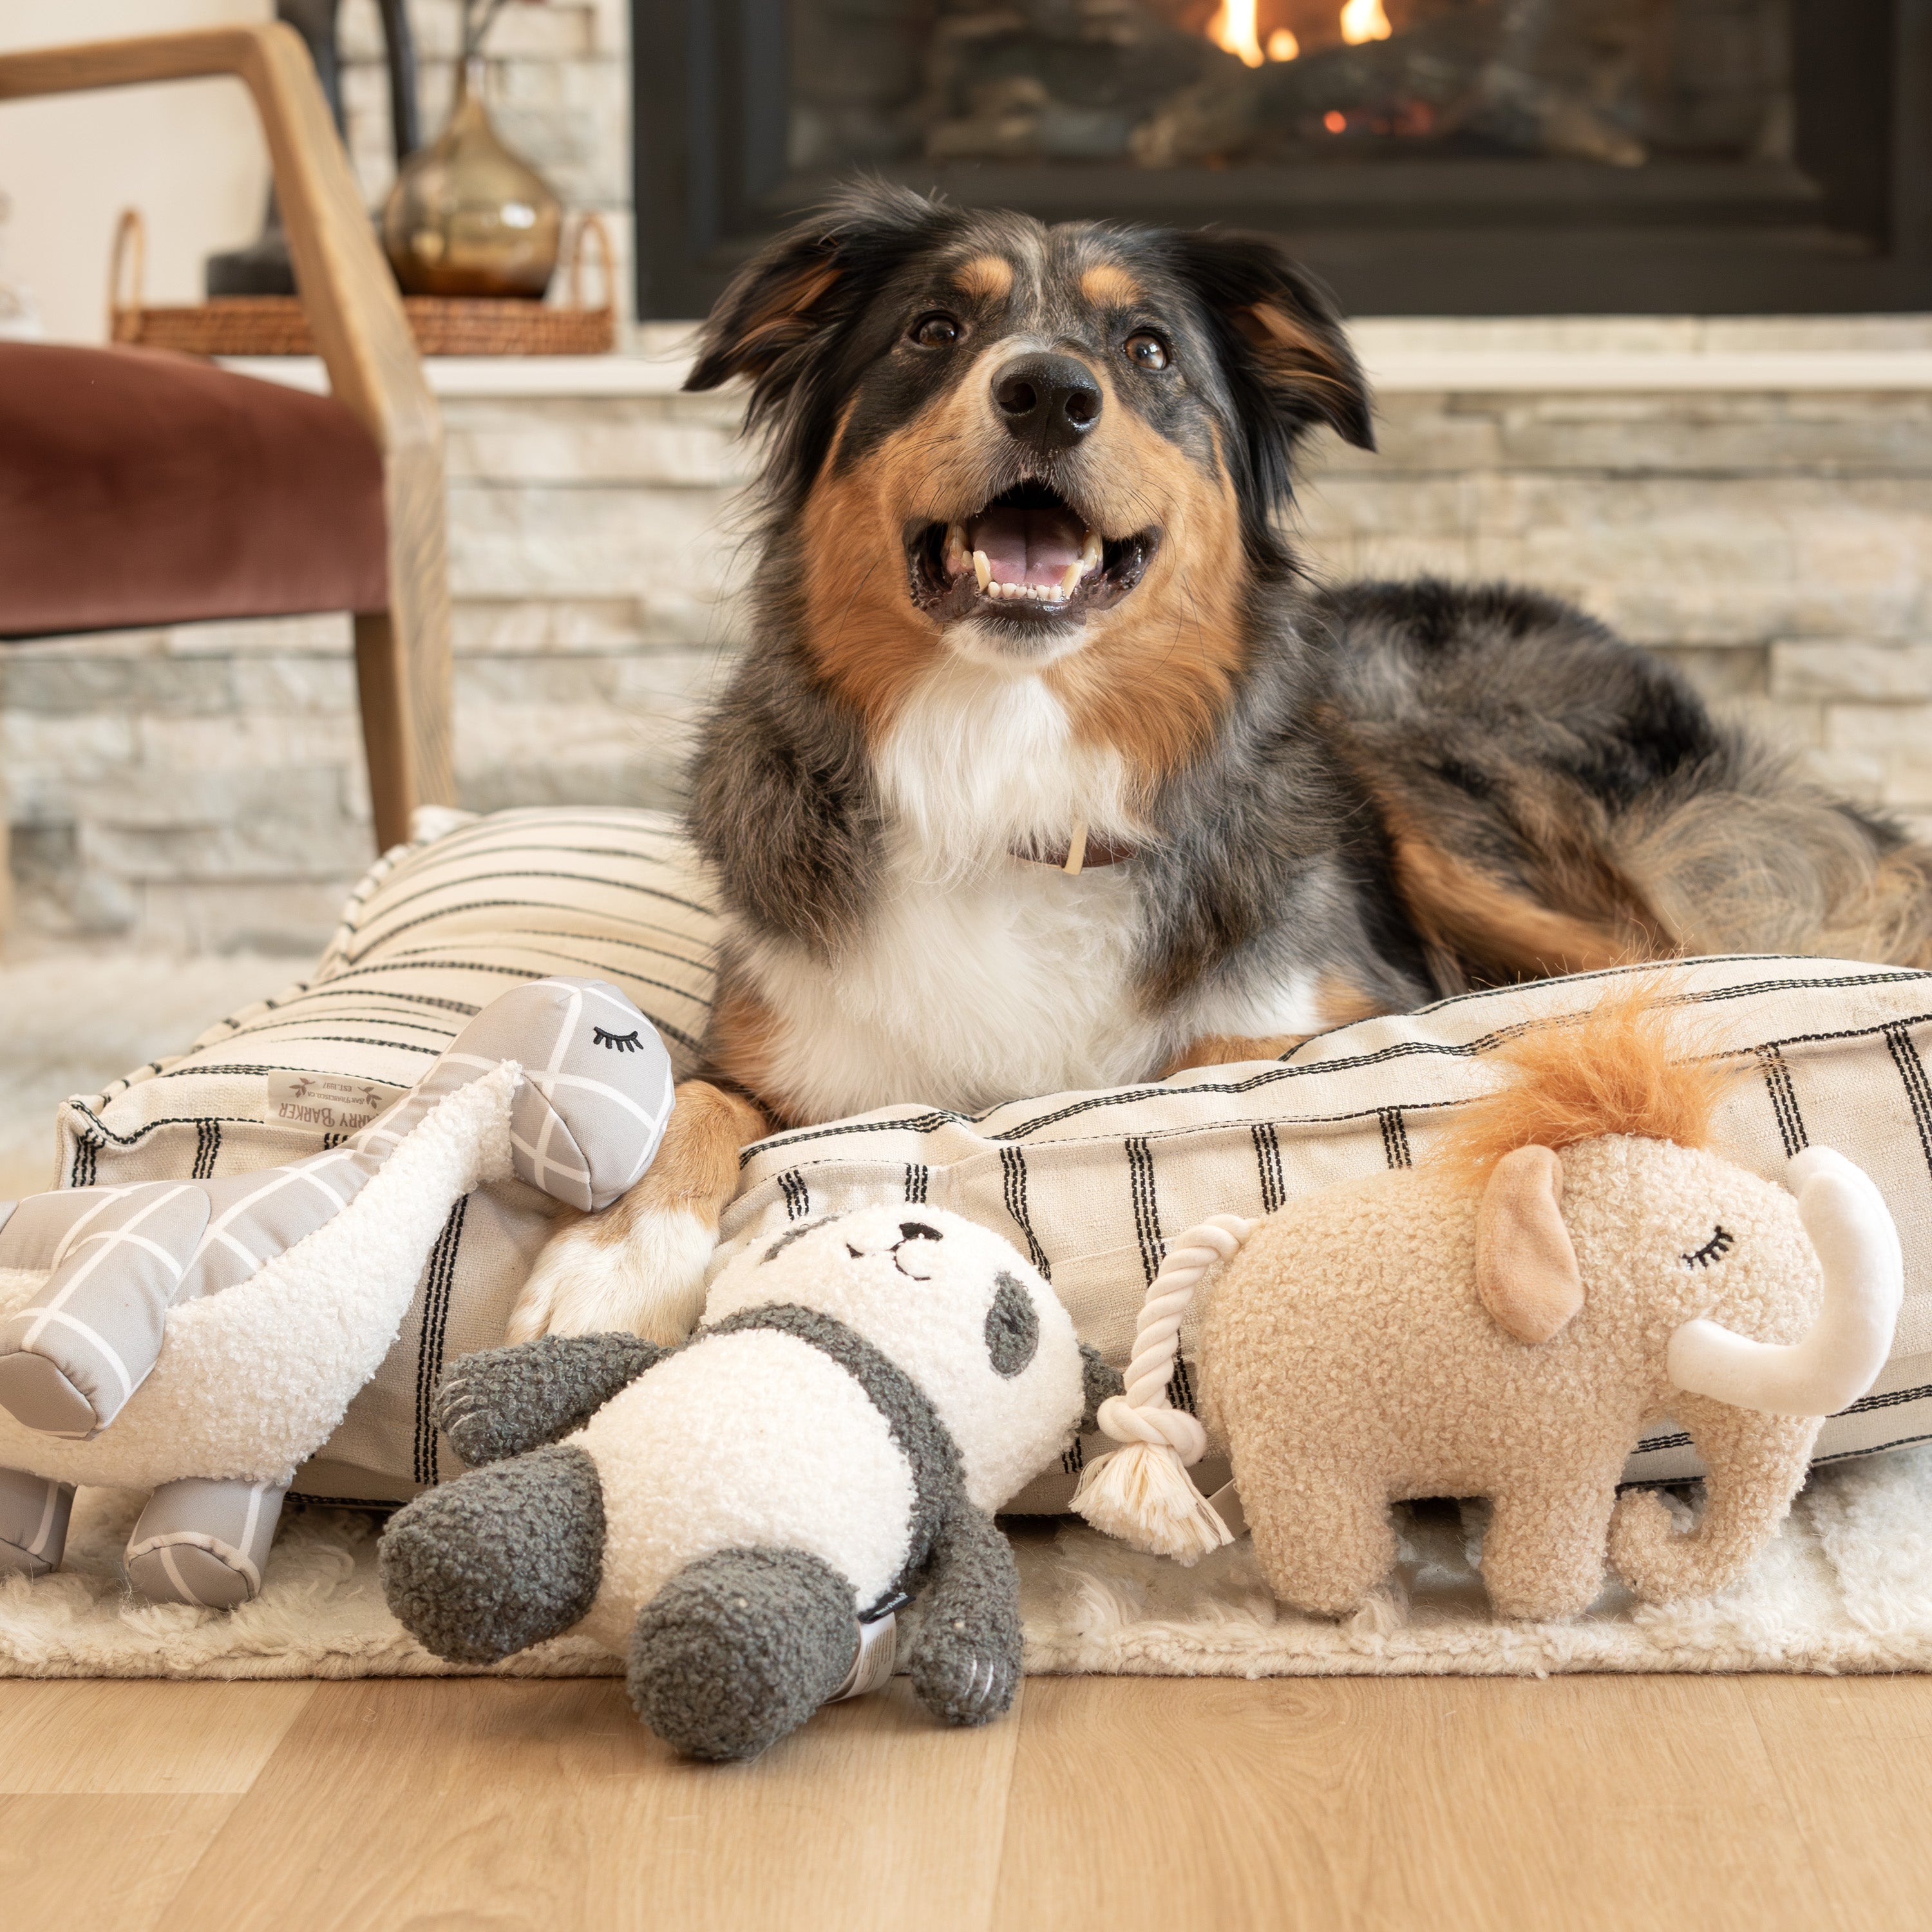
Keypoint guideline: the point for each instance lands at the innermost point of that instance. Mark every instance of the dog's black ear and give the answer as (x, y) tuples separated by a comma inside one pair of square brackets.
[(785, 306), (1286, 354)]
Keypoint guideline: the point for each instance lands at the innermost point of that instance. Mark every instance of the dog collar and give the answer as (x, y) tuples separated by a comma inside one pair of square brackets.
[(1083, 851)]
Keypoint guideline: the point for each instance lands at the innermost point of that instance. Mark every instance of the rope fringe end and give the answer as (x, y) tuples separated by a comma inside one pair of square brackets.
[(1143, 1495)]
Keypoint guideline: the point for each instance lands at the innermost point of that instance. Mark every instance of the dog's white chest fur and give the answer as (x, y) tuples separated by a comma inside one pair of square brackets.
[(979, 977)]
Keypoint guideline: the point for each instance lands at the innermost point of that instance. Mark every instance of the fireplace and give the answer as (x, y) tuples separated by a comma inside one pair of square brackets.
[(1425, 157)]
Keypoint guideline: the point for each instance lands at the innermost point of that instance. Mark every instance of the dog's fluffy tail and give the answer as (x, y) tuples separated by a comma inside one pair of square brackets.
[(1556, 800)]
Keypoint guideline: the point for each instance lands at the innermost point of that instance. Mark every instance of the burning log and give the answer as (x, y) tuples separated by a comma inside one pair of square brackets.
[(1121, 79)]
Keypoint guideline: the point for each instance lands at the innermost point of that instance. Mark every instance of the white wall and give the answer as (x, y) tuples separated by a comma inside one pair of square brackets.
[(189, 155)]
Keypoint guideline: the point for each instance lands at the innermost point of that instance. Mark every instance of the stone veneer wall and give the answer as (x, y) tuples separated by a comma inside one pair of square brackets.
[(203, 786)]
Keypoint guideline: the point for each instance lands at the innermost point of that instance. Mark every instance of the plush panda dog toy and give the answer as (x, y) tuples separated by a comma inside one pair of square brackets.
[(735, 1515)]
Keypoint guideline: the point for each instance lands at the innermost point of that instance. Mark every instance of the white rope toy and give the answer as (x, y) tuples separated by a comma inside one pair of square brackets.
[(1142, 1493)]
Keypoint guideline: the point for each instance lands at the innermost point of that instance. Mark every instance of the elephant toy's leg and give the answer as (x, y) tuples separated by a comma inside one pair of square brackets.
[(204, 1543), (34, 1512), (499, 1559), (740, 1648), (1542, 1554), (1324, 1551), (70, 1359)]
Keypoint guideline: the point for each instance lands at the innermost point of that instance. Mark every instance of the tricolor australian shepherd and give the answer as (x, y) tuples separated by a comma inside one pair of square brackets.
[(1046, 767)]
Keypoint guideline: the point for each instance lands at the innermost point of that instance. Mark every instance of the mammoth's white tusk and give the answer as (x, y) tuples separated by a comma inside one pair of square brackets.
[(1863, 1269)]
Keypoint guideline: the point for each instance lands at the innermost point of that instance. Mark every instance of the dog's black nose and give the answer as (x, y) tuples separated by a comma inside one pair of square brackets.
[(1051, 401)]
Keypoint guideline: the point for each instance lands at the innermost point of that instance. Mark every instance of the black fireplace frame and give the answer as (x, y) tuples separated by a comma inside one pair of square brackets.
[(1846, 228)]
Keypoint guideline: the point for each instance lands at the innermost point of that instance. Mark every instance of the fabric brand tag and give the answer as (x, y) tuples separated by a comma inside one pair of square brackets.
[(1226, 1502), (324, 1103), (872, 1668)]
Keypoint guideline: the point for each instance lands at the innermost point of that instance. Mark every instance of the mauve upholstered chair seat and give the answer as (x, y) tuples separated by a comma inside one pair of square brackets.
[(140, 488)]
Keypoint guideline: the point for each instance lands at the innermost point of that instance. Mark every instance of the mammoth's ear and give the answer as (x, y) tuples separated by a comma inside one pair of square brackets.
[(1102, 1383), (1287, 355), (788, 302), (1526, 1269)]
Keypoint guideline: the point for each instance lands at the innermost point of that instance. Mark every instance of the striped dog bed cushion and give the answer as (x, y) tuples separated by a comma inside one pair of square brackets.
[(434, 932), (1092, 1185)]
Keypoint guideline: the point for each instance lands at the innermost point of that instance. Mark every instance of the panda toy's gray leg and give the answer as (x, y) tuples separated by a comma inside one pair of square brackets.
[(204, 1543), (34, 1512), (740, 1648), (499, 1559)]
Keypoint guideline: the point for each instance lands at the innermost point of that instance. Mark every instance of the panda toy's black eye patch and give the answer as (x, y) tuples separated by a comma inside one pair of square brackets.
[(1013, 1328)]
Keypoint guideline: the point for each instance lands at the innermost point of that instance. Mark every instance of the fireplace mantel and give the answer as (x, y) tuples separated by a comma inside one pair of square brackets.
[(1581, 355)]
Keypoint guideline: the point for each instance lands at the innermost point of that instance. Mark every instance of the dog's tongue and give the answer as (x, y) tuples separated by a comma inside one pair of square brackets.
[(1028, 546)]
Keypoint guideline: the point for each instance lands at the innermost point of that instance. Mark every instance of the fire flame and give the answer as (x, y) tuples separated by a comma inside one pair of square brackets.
[(1361, 20), (1232, 30)]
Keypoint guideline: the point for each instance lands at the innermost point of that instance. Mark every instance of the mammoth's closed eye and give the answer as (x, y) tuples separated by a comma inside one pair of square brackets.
[(1720, 1243)]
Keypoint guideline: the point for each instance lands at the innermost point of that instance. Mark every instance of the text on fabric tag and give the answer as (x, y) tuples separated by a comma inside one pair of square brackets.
[(324, 1103)]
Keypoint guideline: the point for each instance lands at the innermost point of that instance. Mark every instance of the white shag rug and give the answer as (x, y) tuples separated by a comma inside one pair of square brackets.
[(1847, 1588)]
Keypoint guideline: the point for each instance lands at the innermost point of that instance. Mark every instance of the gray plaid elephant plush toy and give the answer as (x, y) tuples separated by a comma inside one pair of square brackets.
[(740, 1515), (201, 1339)]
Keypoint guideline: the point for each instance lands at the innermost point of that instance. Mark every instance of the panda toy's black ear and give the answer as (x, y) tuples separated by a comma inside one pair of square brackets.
[(1102, 1383)]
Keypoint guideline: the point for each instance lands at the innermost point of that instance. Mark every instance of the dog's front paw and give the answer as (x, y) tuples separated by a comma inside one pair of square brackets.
[(638, 1267)]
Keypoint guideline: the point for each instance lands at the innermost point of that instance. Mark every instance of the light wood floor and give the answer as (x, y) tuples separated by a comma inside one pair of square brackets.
[(1702, 1803)]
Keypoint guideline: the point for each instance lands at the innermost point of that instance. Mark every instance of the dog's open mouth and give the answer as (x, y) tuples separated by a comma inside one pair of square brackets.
[(1028, 554)]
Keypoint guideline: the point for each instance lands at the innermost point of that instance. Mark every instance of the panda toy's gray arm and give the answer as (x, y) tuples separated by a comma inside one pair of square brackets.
[(964, 1662), (501, 1402)]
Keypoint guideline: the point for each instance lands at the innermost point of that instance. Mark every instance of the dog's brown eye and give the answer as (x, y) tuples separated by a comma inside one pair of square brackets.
[(936, 331), (1149, 351)]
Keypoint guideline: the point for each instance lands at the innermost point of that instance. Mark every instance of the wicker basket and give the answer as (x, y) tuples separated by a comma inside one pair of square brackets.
[(442, 325)]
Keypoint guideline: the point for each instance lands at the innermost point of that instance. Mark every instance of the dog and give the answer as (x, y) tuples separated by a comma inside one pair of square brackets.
[(1046, 766)]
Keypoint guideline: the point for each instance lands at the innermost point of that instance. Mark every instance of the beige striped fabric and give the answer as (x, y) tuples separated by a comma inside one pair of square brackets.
[(1091, 1185)]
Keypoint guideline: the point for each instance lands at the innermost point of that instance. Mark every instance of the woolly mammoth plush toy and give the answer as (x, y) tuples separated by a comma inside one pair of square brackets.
[(1505, 1321), (201, 1338), (739, 1516)]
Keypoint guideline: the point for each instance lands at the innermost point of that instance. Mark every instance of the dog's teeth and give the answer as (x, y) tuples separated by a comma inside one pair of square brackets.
[(981, 569), (1055, 593), (1070, 579), (955, 550), (1089, 553)]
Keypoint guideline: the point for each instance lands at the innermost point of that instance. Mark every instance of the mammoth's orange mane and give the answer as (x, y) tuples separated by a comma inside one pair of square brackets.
[(1626, 1067)]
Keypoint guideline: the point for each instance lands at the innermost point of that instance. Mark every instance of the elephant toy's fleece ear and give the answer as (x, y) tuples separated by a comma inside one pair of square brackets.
[(1526, 1269)]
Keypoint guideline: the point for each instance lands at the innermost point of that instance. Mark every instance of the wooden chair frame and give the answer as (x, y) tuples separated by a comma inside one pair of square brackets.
[(402, 665)]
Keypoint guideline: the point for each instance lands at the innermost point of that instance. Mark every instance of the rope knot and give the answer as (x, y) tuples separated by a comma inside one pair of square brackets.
[(1159, 1428)]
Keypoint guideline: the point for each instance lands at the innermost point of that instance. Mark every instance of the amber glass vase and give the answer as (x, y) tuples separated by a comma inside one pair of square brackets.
[(466, 217)]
